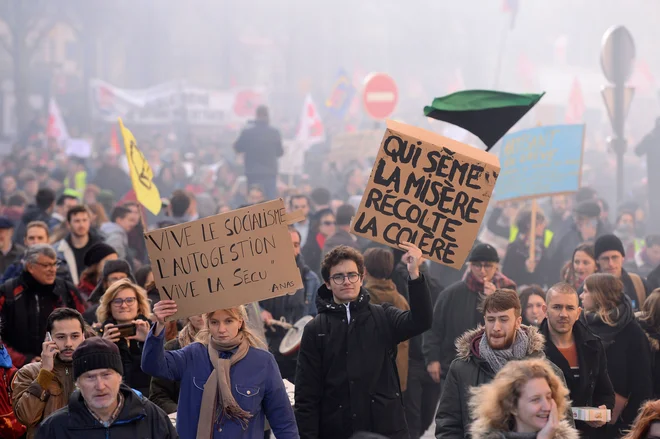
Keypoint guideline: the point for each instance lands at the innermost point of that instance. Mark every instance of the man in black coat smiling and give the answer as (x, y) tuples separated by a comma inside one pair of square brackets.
[(347, 380)]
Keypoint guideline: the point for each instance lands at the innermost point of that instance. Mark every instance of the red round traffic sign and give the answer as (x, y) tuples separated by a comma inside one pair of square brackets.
[(380, 95)]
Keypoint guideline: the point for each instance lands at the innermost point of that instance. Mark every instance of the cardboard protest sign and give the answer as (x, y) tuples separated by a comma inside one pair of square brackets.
[(540, 161), (353, 146), (428, 190), (225, 260)]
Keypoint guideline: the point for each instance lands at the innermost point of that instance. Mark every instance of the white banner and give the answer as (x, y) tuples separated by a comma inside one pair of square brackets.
[(173, 102)]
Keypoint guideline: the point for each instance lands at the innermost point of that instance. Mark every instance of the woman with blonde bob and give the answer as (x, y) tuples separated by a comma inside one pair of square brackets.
[(125, 303), (608, 313), (230, 382), (526, 399)]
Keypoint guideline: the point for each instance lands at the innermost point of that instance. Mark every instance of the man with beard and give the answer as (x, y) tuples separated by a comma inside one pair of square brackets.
[(80, 239), (482, 352), (292, 307), (578, 353), (456, 309), (44, 387)]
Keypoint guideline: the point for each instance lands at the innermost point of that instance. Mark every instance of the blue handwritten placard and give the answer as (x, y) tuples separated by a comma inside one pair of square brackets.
[(540, 161)]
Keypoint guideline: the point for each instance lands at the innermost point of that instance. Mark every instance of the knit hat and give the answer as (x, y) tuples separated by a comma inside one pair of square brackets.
[(96, 353), (5, 223), (607, 243), (97, 252), (484, 253), (116, 266)]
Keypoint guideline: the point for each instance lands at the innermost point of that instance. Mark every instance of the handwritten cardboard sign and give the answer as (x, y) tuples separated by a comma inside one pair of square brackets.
[(429, 190), (225, 260)]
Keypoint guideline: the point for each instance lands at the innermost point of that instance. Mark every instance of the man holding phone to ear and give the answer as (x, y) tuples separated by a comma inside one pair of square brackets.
[(43, 387)]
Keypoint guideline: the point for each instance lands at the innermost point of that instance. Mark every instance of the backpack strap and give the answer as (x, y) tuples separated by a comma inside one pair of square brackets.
[(321, 340), (640, 291)]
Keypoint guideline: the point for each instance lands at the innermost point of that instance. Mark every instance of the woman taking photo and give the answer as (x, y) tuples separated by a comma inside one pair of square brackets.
[(649, 320), (526, 399), (581, 265), (126, 304), (230, 383), (608, 314)]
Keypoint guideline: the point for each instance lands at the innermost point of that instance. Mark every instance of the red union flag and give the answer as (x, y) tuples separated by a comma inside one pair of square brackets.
[(311, 129), (56, 127)]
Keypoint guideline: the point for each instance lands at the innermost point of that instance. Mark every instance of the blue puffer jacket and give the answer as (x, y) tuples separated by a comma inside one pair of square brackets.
[(255, 380)]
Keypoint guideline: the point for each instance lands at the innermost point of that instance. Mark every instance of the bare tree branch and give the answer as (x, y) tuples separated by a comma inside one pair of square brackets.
[(41, 36)]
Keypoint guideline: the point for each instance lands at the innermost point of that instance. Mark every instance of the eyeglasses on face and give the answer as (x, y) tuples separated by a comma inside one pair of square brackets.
[(128, 301), (486, 265), (328, 223), (50, 265), (338, 278)]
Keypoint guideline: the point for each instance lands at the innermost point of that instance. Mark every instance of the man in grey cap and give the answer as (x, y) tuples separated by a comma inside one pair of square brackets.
[(456, 309), (9, 251), (103, 406)]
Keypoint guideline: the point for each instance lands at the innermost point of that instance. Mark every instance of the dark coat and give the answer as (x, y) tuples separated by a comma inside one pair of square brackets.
[(346, 379), (131, 357), (262, 146), (629, 367), (653, 279), (139, 418), (165, 393), (594, 387), (455, 312), (470, 370), (24, 308), (312, 252), (654, 341), (15, 253), (513, 265)]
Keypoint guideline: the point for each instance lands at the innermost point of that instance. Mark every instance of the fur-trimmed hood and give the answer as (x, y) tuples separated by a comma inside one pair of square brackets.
[(467, 343), (480, 429)]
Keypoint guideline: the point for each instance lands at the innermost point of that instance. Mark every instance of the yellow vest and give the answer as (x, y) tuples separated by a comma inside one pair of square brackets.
[(547, 236)]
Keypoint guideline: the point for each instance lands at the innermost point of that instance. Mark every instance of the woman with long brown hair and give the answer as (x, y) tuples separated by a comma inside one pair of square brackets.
[(647, 423), (608, 313), (525, 399), (649, 320), (581, 265), (229, 381)]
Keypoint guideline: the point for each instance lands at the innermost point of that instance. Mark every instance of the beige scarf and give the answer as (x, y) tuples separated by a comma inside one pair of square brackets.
[(217, 399)]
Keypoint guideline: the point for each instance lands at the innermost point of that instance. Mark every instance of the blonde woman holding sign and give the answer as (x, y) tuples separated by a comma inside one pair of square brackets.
[(229, 383)]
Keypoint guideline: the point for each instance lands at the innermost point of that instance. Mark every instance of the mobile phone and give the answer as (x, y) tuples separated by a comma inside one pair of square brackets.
[(48, 337), (127, 329)]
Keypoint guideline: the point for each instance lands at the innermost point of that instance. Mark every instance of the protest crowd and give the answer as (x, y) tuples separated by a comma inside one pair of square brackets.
[(400, 288)]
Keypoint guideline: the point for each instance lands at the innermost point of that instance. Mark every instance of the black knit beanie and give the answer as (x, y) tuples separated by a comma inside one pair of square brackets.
[(96, 353), (607, 243), (97, 252)]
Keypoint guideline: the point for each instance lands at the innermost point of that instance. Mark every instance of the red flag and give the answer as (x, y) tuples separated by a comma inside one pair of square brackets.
[(575, 109), (114, 140)]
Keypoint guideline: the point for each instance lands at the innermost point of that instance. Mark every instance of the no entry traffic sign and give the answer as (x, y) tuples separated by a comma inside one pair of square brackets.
[(380, 95)]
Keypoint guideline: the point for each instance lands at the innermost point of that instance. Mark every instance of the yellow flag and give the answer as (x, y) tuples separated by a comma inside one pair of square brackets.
[(141, 174)]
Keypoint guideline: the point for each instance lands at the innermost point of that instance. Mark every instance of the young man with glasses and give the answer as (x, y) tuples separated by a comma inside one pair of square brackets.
[(27, 300), (456, 309), (347, 379)]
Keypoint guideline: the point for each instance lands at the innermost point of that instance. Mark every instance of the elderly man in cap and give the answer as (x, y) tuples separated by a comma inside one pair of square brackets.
[(457, 309), (610, 255), (103, 406), (9, 251)]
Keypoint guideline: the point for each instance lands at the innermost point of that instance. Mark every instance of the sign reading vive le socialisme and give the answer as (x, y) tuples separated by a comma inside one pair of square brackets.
[(226, 260)]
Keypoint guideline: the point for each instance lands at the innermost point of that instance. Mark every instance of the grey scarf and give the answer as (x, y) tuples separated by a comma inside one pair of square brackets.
[(498, 358)]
